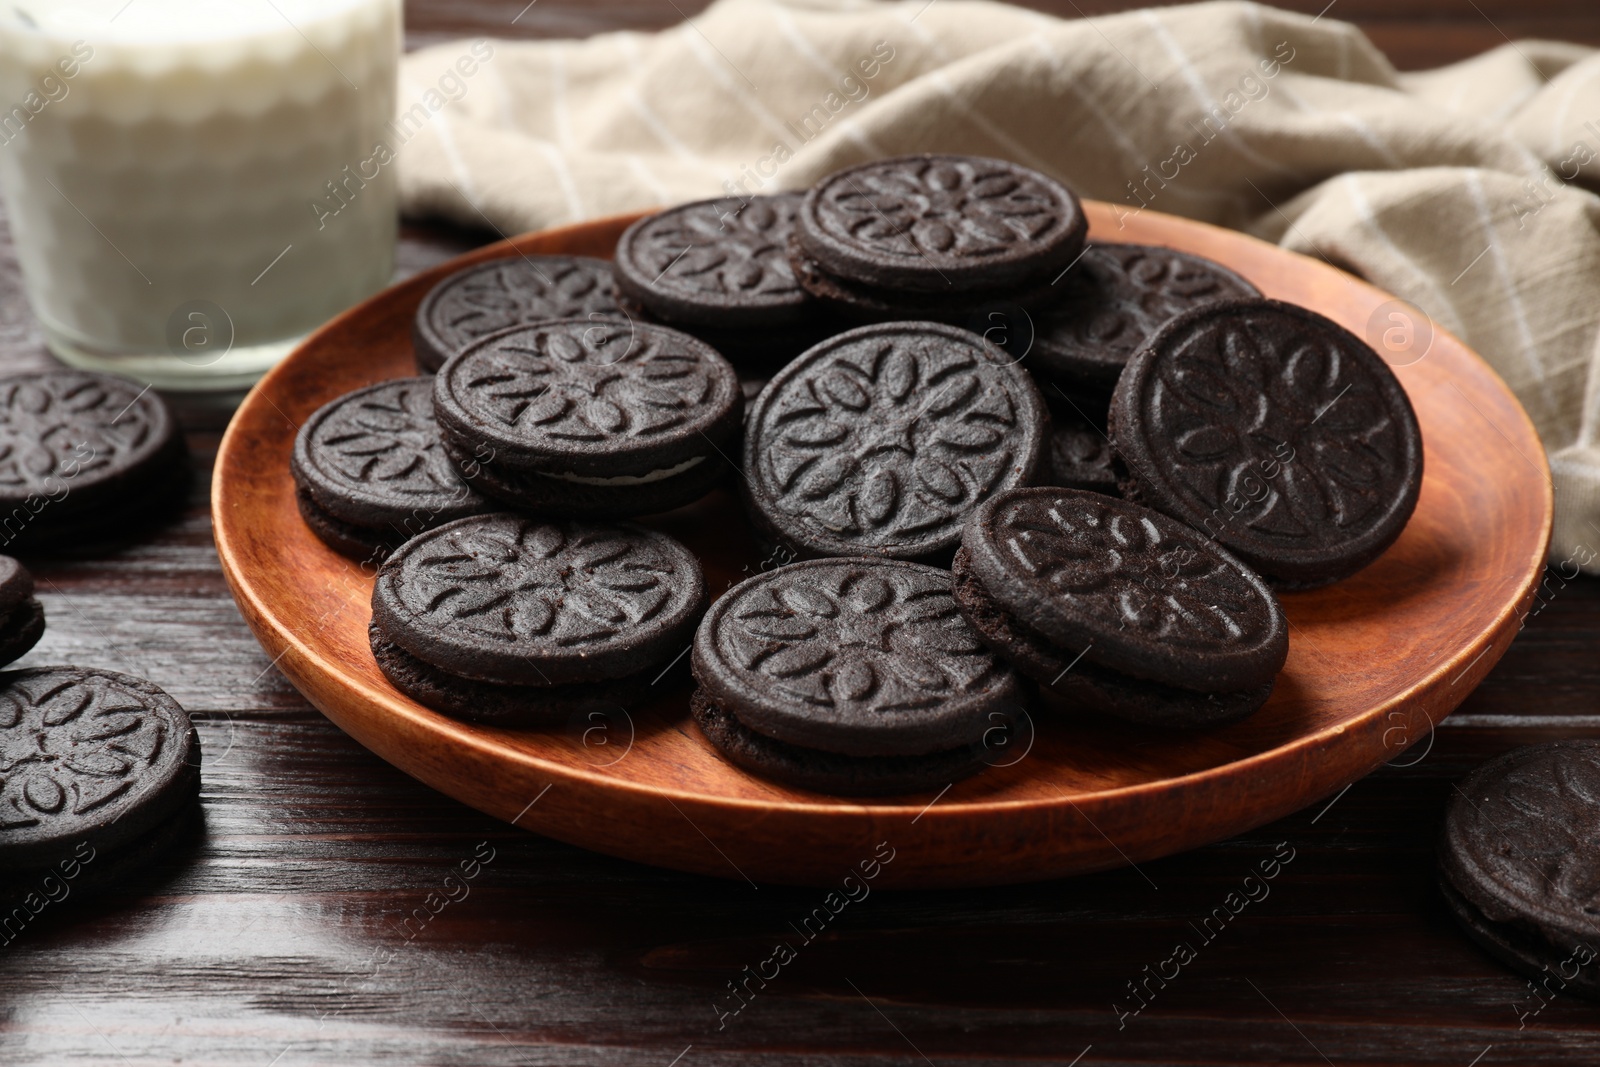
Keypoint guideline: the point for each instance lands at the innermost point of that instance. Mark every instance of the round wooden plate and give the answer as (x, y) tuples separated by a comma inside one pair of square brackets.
[(1374, 662)]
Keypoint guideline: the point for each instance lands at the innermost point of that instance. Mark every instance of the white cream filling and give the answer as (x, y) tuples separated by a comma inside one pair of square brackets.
[(625, 479)]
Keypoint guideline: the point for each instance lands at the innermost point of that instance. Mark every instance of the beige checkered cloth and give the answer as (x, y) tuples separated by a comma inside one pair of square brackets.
[(1463, 190)]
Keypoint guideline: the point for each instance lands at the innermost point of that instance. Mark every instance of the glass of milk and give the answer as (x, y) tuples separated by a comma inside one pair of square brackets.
[(169, 167)]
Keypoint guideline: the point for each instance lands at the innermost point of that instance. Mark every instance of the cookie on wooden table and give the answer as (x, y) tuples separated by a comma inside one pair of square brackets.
[(21, 614), (578, 419), (370, 470), (1113, 300), (505, 619), (882, 440), (477, 301), (1518, 867), (934, 237), (1274, 430), (1118, 609), (98, 776), (850, 676), (84, 458)]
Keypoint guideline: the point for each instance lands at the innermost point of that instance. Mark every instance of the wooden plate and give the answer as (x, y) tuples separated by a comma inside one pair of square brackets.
[(1374, 661)]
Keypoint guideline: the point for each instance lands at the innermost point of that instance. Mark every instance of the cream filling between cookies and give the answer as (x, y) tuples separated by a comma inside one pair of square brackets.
[(626, 479)]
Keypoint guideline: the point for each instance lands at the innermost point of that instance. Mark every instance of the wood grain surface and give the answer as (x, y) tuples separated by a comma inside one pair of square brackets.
[(290, 933)]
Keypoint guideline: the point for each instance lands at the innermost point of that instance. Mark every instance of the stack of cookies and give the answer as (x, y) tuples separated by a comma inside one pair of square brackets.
[(99, 771), (1122, 451)]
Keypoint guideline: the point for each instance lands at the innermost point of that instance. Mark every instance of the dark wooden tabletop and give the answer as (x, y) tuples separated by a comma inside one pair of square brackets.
[(281, 937)]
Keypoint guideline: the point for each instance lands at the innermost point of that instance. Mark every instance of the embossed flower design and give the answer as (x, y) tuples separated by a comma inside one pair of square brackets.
[(873, 641), (520, 292), (523, 581), (889, 440), (1120, 567), (389, 438), (1240, 431), (1116, 296), (722, 247), (67, 751), (55, 428), (943, 208), (586, 383)]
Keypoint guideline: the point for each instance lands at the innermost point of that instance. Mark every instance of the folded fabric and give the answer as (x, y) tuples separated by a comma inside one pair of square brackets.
[(1462, 190)]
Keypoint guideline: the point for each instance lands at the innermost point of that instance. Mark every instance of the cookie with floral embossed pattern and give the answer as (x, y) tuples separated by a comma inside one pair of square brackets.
[(83, 457), (370, 470), (935, 236), (477, 301), (850, 676), (1113, 300), (512, 619), (1119, 608), (882, 440), (579, 419), (720, 262), (719, 269), (1517, 864), (1274, 430), (94, 765)]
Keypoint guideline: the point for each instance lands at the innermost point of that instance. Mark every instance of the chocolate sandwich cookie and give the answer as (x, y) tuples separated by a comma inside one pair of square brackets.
[(882, 440), (850, 676), (580, 419), (1274, 430), (1118, 609), (719, 269), (1113, 300), (21, 615), (1517, 862), (371, 472), (98, 774), (83, 458), (511, 620), (717, 263), (477, 301), (934, 236)]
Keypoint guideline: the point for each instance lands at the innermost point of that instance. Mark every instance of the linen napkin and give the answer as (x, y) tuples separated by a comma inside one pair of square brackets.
[(1463, 190)]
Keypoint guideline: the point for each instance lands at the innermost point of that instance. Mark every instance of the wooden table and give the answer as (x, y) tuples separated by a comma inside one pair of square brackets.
[(283, 937)]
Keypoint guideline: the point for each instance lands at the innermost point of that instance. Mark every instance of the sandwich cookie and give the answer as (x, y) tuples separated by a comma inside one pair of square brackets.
[(850, 676), (579, 419), (515, 621), (99, 773), (719, 269), (1112, 301), (84, 458), (934, 237), (1517, 863), (477, 301), (21, 614), (1275, 431), (370, 470), (882, 440), (1119, 610)]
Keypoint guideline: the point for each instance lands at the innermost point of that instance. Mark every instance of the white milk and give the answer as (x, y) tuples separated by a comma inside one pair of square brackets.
[(162, 162)]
